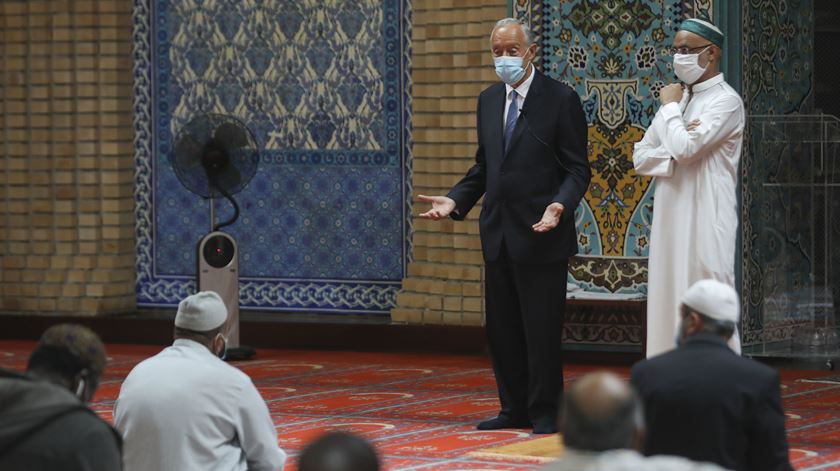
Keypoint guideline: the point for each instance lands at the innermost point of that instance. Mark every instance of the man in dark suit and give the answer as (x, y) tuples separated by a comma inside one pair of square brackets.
[(704, 402), (532, 165)]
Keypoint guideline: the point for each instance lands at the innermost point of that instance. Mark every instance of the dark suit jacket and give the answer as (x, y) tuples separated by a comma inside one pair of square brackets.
[(520, 184), (704, 402)]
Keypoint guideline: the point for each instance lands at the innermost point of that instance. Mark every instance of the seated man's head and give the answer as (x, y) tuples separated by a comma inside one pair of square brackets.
[(201, 317), (709, 306), (71, 356), (338, 451), (601, 412)]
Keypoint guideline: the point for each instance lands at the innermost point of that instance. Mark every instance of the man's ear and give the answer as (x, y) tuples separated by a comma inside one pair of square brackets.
[(695, 323), (714, 55), (533, 50)]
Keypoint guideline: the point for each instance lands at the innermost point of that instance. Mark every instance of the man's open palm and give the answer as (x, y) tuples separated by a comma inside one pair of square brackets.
[(442, 206)]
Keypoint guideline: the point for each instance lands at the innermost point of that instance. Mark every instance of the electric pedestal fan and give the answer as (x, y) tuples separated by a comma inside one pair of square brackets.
[(216, 155)]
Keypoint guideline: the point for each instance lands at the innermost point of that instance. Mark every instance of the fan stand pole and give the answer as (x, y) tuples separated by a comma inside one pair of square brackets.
[(212, 211), (236, 351)]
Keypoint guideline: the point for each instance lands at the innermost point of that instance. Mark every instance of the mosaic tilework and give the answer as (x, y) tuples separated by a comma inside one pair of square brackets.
[(777, 80), (324, 86), (614, 54)]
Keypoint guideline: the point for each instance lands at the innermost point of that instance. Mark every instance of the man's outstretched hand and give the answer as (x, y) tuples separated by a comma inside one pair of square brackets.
[(442, 206), (550, 219)]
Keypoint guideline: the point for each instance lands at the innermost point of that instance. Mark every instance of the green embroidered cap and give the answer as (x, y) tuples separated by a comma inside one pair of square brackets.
[(704, 29)]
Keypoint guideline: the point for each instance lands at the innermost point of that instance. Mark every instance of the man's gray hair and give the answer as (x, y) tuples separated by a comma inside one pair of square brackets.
[(529, 36)]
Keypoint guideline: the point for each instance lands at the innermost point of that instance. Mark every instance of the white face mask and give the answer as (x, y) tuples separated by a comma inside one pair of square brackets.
[(223, 352), (687, 67)]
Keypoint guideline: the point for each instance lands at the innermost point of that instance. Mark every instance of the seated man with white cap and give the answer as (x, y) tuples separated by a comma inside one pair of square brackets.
[(186, 409), (703, 401)]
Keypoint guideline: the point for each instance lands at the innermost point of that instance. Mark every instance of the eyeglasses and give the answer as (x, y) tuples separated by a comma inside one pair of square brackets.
[(687, 50)]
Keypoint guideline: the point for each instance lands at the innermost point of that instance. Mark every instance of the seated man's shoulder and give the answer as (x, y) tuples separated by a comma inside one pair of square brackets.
[(751, 369), (233, 375), (655, 363), (237, 375), (676, 463), (625, 460), (90, 426), (613, 460), (193, 370), (679, 359)]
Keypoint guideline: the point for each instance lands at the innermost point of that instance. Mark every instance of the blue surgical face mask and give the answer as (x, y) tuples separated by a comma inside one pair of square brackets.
[(510, 69)]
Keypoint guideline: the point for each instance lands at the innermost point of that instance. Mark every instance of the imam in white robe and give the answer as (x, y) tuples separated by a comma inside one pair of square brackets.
[(695, 219)]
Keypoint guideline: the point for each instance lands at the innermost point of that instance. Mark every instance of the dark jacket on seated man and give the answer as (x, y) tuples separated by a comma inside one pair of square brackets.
[(46, 427), (704, 402), (602, 427), (44, 422)]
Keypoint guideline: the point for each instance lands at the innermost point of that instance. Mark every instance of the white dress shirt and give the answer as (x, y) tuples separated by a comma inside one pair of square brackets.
[(695, 219), (185, 409), (521, 92)]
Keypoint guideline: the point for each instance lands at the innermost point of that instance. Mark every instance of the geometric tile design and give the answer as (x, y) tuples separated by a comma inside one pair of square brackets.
[(325, 88), (777, 68), (615, 55)]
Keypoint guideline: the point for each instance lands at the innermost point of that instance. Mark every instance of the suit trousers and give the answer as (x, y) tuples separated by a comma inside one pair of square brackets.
[(525, 305)]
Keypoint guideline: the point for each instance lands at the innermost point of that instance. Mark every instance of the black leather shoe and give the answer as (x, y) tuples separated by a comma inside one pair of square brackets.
[(501, 422), (544, 427)]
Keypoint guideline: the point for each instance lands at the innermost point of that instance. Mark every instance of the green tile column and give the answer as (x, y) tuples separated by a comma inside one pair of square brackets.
[(728, 17)]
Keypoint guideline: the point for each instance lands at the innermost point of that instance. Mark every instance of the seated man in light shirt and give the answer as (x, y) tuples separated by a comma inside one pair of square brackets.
[(186, 409)]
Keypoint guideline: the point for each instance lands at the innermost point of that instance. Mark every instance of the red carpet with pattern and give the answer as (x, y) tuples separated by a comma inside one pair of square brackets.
[(420, 410)]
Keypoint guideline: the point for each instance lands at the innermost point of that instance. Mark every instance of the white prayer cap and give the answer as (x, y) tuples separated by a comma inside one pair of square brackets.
[(201, 312), (713, 299)]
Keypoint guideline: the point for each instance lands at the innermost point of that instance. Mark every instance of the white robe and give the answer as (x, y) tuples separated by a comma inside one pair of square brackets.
[(185, 409), (695, 219)]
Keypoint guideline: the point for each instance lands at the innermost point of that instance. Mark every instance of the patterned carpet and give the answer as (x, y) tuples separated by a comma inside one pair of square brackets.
[(420, 410)]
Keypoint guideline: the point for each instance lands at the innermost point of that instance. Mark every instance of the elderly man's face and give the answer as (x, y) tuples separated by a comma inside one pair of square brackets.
[(510, 41), (687, 42)]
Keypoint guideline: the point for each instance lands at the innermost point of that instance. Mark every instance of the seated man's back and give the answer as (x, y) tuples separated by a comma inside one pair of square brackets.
[(703, 401), (45, 427), (44, 421), (602, 427), (185, 409)]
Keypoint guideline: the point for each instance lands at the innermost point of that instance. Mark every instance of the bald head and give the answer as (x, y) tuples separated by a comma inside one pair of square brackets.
[(339, 451), (598, 395), (601, 412)]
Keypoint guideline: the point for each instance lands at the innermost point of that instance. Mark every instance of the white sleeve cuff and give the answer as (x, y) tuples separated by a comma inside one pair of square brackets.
[(671, 110), (658, 167)]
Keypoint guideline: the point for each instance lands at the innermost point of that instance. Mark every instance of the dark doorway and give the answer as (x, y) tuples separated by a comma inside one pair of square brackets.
[(827, 56)]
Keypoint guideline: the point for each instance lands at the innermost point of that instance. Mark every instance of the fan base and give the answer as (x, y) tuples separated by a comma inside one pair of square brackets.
[(241, 352)]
